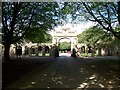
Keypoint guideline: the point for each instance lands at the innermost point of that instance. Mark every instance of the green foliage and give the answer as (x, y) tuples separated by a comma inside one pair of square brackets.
[(37, 35), (93, 35), (26, 20), (65, 45), (105, 14), (32, 18)]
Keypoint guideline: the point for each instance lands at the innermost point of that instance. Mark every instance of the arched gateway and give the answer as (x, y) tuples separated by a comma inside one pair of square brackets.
[(65, 33)]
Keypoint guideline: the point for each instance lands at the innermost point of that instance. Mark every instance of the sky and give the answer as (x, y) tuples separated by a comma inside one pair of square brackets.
[(78, 27), (83, 26)]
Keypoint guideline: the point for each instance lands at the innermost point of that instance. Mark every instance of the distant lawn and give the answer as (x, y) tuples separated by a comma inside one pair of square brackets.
[(84, 54), (40, 54)]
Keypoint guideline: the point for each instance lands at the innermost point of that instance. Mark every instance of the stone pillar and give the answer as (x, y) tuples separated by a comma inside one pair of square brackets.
[(1, 51), (51, 51), (29, 51), (78, 51), (102, 51), (105, 51), (99, 51), (72, 45), (43, 51), (86, 51), (12, 51), (93, 52), (75, 40), (57, 41), (26, 51), (54, 40), (19, 51), (36, 51), (39, 49), (118, 51), (109, 51)]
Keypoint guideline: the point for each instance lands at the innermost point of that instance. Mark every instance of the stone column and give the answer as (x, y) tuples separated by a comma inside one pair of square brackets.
[(86, 51), (72, 45), (51, 51), (29, 51), (105, 51), (36, 51), (118, 52), (1, 51), (43, 51), (99, 51), (12, 52), (93, 52)]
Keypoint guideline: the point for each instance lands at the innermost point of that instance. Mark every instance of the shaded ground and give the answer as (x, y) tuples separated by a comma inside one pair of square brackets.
[(62, 72)]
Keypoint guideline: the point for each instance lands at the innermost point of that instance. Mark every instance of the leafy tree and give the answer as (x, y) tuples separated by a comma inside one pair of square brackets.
[(48, 38), (93, 35), (105, 14), (65, 45), (38, 36), (22, 18)]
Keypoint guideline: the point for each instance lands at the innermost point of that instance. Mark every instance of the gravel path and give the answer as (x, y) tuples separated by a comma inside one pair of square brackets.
[(65, 72)]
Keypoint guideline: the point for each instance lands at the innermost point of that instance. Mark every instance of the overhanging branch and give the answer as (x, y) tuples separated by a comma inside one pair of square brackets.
[(26, 30), (98, 20)]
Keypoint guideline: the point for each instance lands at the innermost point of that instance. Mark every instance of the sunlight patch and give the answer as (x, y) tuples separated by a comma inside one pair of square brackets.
[(29, 86), (57, 80), (33, 83), (102, 86), (92, 77), (45, 75)]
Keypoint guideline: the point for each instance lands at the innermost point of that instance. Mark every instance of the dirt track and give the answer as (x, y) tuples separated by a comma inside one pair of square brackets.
[(62, 72)]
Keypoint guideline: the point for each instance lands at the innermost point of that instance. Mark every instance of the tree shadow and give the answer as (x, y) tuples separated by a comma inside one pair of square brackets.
[(66, 74), (16, 69)]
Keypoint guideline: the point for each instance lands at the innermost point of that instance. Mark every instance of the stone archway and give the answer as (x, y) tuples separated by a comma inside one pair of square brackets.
[(72, 41), (65, 32)]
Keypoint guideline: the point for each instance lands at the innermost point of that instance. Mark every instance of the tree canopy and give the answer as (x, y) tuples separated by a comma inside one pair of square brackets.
[(105, 14), (65, 45), (30, 20), (22, 18), (19, 18), (38, 36), (93, 35)]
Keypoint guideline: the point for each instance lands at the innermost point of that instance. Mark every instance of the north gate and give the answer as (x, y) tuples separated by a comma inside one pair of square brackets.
[(65, 32)]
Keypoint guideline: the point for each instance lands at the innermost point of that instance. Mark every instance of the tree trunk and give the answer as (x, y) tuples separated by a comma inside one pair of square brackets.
[(6, 52)]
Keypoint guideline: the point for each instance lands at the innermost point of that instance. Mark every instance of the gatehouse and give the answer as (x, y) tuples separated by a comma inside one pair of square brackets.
[(65, 33)]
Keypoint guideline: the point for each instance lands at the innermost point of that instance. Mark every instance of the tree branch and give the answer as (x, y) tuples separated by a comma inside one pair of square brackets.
[(5, 28), (118, 11), (96, 19), (106, 21), (26, 30), (16, 9)]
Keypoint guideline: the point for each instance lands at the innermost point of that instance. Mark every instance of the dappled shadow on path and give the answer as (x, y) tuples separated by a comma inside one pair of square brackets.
[(70, 73), (105, 74), (16, 69)]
